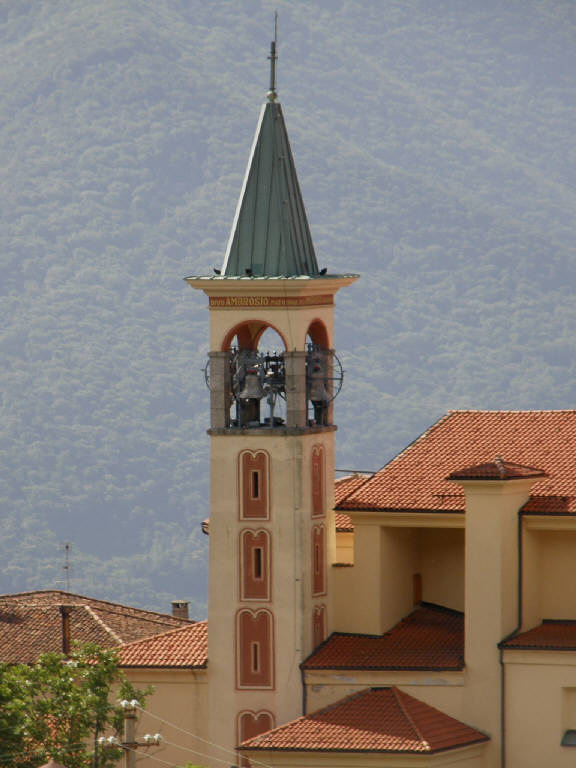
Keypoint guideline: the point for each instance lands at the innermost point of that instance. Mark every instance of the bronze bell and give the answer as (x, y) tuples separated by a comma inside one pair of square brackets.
[(253, 389), (318, 392)]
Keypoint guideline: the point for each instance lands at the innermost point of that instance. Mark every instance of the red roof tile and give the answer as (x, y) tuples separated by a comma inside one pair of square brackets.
[(551, 635), (31, 624), (343, 523), (496, 470), (375, 720), (431, 637), (184, 647), (416, 478), (343, 487)]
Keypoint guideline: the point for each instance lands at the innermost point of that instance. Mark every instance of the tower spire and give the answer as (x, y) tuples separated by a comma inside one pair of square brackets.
[(270, 235), (272, 94)]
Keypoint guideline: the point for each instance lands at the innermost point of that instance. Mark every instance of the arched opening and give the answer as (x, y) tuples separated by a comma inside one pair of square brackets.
[(321, 387), (248, 334), (257, 376), (318, 334)]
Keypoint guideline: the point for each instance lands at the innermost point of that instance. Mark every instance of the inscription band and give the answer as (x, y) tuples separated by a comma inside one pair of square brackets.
[(270, 301)]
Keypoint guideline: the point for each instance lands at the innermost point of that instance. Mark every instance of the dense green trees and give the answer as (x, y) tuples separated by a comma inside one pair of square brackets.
[(435, 152), (59, 708)]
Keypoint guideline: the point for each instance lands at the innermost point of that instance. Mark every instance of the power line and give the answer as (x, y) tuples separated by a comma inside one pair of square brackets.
[(199, 738), (201, 754)]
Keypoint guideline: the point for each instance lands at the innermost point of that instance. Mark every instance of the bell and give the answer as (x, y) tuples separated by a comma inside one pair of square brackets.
[(253, 389), (317, 391)]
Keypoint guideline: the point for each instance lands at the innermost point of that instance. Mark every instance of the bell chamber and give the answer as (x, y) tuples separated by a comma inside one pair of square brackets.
[(257, 383)]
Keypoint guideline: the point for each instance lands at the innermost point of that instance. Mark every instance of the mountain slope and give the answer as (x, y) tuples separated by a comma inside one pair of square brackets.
[(435, 152)]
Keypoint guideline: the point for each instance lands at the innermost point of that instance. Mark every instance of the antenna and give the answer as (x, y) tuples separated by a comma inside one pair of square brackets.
[(66, 567), (272, 94)]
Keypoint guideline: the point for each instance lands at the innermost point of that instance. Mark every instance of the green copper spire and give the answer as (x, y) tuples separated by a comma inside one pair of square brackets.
[(270, 236)]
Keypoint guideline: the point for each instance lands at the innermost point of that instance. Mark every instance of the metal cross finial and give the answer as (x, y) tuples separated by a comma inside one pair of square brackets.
[(272, 94)]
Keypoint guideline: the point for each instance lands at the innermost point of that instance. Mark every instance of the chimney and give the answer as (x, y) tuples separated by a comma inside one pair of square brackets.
[(180, 609), (65, 611)]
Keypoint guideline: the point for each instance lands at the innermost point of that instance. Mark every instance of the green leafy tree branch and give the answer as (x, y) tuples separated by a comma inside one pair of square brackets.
[(58, 709)]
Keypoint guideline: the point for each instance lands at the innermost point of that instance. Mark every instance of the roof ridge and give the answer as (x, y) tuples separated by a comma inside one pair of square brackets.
[(155, 618), (8, 597), (365, 475), (511, 410), (102, 623), (321, 710), (404, 450), (397, 693)]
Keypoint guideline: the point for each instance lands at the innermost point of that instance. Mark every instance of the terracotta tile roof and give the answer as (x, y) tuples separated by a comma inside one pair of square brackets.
[(551, 635), (496, 470), (31, 624), (343, 487), (343, 523), (184, 647), (431, 637), (374, 720), (416, 478)]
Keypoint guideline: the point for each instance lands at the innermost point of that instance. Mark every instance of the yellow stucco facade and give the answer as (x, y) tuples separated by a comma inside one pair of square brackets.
[(467, 562)]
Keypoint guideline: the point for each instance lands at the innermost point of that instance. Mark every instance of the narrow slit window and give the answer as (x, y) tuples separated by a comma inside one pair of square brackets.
[(255, 484), (317, 558), (255, 658), (258, 553)]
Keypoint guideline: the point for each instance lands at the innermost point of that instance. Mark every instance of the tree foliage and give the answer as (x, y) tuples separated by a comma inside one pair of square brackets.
[(58, 709)]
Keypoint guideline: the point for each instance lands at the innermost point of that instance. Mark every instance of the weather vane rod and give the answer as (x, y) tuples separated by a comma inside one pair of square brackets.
[(272, 93)]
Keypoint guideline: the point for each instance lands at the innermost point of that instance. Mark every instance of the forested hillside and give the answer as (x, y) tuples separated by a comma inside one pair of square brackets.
[(435, 146)]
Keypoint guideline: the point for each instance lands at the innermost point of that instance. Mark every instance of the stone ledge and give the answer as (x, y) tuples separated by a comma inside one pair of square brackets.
[(265, 431)]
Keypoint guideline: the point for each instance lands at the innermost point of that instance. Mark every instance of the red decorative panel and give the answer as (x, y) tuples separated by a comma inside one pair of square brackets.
[(255, 649), (318, 561), (318, 508), (251, 724), (319, 625), (254, 485), (255, 565)]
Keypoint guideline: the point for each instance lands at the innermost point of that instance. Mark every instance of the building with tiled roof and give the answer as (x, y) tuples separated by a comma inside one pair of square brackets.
[(32, 623), (167, 652), (418, 616), (418, 478), (376, 720), (182, 648), (430, 638)]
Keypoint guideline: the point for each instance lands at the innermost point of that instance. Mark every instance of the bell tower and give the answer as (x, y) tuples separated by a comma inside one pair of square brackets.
[(273, 375)]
